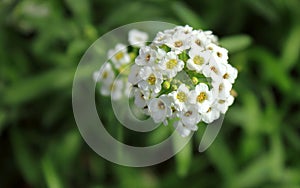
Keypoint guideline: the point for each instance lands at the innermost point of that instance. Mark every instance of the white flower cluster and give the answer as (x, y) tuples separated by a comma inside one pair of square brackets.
[(165, 96), (119, 58)]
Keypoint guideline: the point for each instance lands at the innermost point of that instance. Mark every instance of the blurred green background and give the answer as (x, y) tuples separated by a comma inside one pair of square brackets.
[(42, 42)]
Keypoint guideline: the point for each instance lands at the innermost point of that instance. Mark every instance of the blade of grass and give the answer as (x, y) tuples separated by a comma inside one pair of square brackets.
[(236, 43), (50, 174)]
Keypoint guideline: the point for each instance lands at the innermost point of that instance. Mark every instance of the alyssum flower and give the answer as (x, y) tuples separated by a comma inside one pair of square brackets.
[(165, 96), (182, 77), (118, 58)]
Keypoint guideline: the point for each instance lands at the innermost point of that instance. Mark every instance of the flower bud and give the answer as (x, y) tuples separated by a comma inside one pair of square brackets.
[(195, 80), (166, 85), (174, 87)]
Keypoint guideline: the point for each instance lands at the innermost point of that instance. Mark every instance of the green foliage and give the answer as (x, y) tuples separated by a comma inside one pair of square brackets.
[(42, 42)]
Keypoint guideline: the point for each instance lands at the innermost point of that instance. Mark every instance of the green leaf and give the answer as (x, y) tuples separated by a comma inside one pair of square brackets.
[(276, 157), (290, 51), (68, 147), (265, 8), (23, 154), (254, 174), (50, 173), (81, 10), (272, 69), (36, 86), (222, 159), (2, 120), (236, 43)]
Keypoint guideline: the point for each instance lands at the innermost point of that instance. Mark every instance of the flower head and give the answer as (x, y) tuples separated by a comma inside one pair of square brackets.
[(183, 76), (151, 80), (159, 108), (137, 38), (171, 64), (106, 75), (180, 97), (202, 96), (119, 55)]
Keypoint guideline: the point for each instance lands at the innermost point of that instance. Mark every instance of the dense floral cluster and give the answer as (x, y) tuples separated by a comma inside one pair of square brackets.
[(111, 75), (182, 76)]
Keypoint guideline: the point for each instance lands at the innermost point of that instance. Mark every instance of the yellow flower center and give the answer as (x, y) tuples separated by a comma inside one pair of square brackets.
[(119, 55), (171, 64), (181, 96), (221, 101), (226, 76), (148, 57), (219, 54), (188, 114), (198, 60), (221, 87), (178, 43), (161, 105), (208, 110), (198, 42), (214, 69), (105, 75), (201, 97), (152, 79)]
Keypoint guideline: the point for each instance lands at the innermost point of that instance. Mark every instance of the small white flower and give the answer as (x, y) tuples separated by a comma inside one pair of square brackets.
[(161, 38), (210, 37), (134, 75), (159, 109), (146, 57), (119, 55), (230, 74), (183, 130), (105, 89), (199, 40), (179, 41), (160, 53), (221, 54), (197, 59), (137, 38), (214, 69), (151, 79), (190, 117), (171, 64), (139, 99), (180, 97), (223, 104), (221, 89), (201, 97), (115, 89), (210, 115), (183, 29), (105, 75)]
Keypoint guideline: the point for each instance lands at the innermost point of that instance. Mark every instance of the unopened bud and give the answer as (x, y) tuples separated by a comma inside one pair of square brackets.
[(174, 87), (195, 80), (167, 85)]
